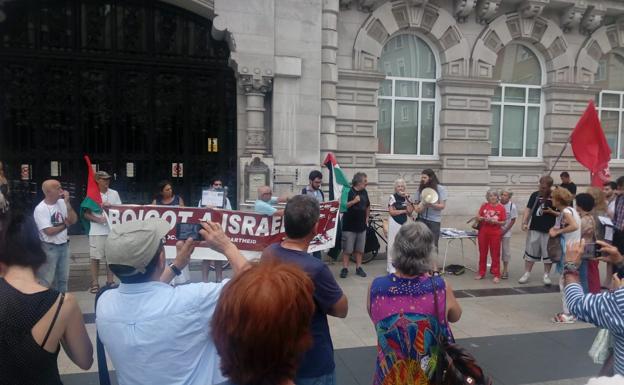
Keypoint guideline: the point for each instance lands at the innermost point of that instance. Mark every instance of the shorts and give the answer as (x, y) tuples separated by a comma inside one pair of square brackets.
[(353, 242), (506, 249), (536, 249), (96, 246)]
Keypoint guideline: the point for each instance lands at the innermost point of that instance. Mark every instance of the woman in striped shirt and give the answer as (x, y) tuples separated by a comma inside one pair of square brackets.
[(606, 309)]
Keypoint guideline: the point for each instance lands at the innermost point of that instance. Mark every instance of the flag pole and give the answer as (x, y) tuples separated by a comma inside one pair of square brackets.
[(559, 156)]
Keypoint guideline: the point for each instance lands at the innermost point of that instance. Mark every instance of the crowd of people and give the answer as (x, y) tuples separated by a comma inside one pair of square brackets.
[(268, 323)]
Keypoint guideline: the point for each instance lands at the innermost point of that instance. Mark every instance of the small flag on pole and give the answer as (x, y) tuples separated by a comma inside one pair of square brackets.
[(93, 200)]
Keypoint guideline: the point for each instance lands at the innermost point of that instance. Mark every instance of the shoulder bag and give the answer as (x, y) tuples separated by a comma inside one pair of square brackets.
[(456, 366)]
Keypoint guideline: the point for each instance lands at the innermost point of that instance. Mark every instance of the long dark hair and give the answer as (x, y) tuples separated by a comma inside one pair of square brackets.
[(433, 180), (161, 186)]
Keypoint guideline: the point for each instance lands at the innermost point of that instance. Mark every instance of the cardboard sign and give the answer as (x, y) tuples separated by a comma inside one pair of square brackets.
[(250, 232)]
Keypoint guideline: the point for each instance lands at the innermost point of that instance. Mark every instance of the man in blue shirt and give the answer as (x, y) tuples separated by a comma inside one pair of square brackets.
[(266, 200), (155, 333), (301, 220)]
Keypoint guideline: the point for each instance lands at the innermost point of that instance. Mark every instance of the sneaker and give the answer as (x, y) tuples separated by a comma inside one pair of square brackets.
[(359, 271), (547, 281), (524, 278), (344, 272)]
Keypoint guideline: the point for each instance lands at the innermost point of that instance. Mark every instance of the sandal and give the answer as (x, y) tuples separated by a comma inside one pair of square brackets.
[(562, 318), (95, 287), (496, 280), (505, 276), (478, 277)]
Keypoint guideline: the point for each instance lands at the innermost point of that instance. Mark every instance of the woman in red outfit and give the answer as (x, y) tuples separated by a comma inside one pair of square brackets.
[(491, 217)]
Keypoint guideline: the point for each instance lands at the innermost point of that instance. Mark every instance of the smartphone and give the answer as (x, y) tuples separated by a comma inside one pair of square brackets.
[(185, 231), (592, 250)]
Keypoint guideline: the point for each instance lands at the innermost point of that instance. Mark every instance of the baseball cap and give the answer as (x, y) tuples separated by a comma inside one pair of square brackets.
[(135, 243), (102, 175)]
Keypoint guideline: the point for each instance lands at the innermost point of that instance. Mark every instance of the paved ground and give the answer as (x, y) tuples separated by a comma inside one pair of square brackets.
[(507, 326)]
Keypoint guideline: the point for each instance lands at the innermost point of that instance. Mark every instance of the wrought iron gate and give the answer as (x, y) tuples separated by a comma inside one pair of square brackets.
[(138, 85)]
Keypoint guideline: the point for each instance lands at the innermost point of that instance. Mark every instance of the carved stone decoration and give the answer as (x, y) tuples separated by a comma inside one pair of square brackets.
[(362, 5), (256, 82), (256, 86), (463, 8), (486, 10), (529, 9), (593, 19), (571, 17)]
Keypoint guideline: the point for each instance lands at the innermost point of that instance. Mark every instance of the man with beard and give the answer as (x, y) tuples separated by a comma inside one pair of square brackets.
[(541, 214), (431, 213), (609, 189)]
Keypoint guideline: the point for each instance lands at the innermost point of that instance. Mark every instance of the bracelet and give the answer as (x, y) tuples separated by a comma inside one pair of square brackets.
[(175, 269), (567, 272)]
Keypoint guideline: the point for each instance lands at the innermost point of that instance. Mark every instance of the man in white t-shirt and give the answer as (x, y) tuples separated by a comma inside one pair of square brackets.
[(99, 230), (512, 214), (53, 216)]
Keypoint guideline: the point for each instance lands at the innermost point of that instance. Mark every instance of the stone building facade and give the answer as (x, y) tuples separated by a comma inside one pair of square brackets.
[(499, 85), (485, 92)]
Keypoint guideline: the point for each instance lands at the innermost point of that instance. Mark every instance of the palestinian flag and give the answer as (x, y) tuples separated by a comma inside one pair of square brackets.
[(93, 200), (338, 183)]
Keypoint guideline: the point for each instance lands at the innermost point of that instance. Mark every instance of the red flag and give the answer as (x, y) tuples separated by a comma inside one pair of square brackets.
[(590, 146), (93, 191)]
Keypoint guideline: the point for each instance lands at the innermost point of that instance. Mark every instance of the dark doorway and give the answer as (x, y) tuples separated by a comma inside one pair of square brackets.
[(138, 85)]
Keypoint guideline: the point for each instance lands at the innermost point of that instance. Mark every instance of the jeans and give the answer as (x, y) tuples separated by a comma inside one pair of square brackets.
[(326, 379), (54, 273)]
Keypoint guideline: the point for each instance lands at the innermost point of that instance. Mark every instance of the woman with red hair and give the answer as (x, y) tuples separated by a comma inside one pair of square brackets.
[(261, 326)]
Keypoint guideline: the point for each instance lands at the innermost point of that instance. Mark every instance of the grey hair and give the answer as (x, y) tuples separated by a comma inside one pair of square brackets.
[(492, 191), (506, 190), (399, 181), (412, 249), (358, 178)]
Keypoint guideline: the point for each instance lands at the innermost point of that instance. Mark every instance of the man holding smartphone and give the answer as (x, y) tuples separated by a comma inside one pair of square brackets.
[(155, 333)]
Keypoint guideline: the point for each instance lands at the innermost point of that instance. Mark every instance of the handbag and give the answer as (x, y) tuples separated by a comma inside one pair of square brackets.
[(599, 351), (456, 366), (553, 248)]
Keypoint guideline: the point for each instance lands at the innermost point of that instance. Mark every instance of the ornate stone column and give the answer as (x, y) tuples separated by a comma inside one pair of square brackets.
[(329, 77), (255, 88)]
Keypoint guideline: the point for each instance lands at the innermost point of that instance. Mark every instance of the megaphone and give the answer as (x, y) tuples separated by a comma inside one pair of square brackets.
[(429, 196)]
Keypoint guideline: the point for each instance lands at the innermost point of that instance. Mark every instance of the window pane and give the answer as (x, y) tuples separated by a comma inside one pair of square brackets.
[(515, 94), (534, 95), (610, 74), (386, 88), (495, 130), (532, 137), (383, 126), (428, 90), (513, 130), (407, 89), (517, 64), (610, 100), (426, 128), (609, 120), (405, 127), (408, 56), (497, 94)]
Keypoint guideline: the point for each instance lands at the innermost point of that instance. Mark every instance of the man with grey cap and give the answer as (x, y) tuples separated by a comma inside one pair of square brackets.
[(155, 333), (99, 230)]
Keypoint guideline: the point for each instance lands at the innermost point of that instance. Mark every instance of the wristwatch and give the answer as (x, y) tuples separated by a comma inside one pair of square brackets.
[(570, 267), (175, 269)]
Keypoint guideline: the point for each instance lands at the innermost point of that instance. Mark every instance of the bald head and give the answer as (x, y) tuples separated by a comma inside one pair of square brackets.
[(52, 190), (264, 193)]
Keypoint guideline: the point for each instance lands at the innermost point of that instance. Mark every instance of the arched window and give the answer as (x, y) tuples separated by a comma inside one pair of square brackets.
[(516, 106), (610, 77), (407, 98)]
